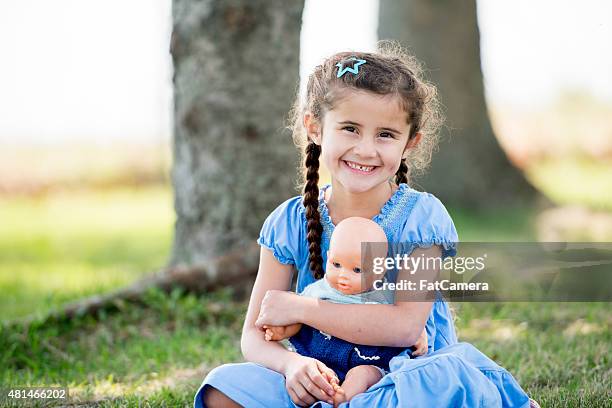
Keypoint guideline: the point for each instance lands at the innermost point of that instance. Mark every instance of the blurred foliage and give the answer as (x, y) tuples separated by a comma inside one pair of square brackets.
[(64, 246), (578, 180), (38, 170), (574, 125)]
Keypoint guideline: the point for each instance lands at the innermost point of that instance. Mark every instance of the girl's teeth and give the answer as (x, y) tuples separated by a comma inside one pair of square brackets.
[(362, 168)]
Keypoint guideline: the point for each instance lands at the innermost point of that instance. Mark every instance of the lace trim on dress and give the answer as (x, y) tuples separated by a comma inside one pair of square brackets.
[(391, 216)]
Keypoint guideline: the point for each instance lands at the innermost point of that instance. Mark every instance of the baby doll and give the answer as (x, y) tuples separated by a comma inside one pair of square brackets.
[(357, 366)]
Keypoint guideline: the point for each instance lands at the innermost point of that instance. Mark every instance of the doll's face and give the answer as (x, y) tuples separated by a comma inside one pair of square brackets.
[(344, 270)]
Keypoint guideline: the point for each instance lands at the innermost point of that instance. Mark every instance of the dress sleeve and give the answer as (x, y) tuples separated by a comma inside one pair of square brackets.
[(281, 231), (430, 224)]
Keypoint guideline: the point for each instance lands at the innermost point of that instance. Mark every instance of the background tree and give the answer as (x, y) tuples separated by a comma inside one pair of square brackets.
[(236, 66), (470, 169)]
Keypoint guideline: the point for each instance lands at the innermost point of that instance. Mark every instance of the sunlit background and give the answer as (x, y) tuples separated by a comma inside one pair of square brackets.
[(86, 124), (86, 200)]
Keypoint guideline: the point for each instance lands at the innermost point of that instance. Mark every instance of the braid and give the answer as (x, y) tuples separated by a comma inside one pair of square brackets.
[(401, 176), (311, 204)]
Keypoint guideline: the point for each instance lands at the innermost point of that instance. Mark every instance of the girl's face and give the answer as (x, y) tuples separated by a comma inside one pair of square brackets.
[(362, 139)]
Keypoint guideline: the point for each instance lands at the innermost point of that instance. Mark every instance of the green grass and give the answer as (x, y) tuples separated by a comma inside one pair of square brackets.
[(559, 352), (66, 246), (508, 225), (160, 349), (158, 353)]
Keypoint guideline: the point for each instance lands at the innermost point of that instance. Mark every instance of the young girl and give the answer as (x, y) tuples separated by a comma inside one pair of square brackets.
[(372, 120)]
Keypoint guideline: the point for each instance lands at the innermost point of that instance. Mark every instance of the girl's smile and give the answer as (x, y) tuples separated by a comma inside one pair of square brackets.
[(360, 168)]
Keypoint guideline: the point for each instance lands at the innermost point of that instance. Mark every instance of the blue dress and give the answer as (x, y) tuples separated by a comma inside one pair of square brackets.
[(452, 374)]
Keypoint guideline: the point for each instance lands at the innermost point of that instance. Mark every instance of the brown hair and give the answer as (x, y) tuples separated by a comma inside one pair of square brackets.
[(389, 71)]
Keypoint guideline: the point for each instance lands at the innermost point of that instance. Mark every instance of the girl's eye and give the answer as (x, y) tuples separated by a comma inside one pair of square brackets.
[(387, 135), (336, 264), (357, 270), (349, 128)]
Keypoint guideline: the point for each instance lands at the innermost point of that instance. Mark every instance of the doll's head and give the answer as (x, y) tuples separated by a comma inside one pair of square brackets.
[(380, 114), (344, 270)]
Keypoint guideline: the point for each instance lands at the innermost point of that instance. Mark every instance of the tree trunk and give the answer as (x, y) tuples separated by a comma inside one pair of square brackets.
[(470, 169), (236, 65)]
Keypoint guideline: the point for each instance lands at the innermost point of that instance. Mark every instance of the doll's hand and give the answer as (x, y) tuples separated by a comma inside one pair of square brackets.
[(272, 333), (420, 347), (277, 333)]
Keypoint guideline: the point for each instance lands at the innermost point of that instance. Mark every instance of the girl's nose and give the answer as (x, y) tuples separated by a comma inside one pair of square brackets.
[(366, 147)]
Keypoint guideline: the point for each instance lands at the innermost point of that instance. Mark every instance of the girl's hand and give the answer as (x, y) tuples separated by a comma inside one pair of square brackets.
[(279, 308), (306, 380), (420, 347)]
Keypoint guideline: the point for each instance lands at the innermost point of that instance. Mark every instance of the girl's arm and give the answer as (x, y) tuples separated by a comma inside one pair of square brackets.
[(304, 380), (397, 325), (272, 275)]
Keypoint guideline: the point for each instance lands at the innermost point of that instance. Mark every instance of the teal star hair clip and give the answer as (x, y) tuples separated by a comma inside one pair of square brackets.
[(354, 70)]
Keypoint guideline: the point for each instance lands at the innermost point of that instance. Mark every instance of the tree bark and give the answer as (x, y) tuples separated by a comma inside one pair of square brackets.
[(470, 169), (236, 66)]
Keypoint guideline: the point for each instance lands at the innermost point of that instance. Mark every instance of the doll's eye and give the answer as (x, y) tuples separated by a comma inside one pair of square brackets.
[(336, 264), (357, 270)]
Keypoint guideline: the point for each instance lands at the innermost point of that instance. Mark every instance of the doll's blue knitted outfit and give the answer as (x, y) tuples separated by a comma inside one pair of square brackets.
[(338, 354)]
